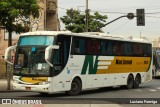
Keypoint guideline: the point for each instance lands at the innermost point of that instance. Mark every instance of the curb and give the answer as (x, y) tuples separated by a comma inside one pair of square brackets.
[(3, 91)]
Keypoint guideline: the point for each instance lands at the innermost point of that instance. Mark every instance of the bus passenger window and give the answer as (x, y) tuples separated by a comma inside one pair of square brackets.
[(114, 49), (104, 48), (89, 46), (78, 45), (93, 46), (139, 50), (96, 46), (75, 46), (121, 48)]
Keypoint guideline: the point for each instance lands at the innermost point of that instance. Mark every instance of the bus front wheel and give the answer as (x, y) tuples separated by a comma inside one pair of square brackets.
[(130, 82), (76, 87)]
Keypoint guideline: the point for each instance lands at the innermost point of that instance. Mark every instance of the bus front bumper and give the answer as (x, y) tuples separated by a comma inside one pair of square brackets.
[(35, 88)]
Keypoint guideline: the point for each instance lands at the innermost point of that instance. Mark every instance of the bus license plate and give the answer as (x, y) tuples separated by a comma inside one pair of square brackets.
[(28, 88)]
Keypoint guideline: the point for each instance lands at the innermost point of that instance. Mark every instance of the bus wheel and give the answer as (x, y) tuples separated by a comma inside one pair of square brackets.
[(76, 87), (137, 81), (130, 82)]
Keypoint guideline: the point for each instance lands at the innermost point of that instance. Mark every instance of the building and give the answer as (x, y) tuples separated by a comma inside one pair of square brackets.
[(48, 20), (156, 43)]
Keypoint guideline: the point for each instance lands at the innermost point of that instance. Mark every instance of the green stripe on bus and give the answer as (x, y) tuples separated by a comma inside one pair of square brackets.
[(89, 61)]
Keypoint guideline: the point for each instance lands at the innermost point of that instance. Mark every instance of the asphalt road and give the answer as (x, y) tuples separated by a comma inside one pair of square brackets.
[(115, 95)]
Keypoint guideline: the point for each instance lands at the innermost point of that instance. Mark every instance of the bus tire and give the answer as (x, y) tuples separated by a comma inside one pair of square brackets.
[(76, 87), (130, 82), (137, 81)]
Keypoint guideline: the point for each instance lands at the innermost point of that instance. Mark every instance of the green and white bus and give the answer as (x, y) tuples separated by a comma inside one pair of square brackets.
[(61, 61)]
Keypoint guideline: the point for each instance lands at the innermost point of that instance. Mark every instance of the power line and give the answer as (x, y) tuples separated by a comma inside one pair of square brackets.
[(153, 16), (109, 12), (112, 12)]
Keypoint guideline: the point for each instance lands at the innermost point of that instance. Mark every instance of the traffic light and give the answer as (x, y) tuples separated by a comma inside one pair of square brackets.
[(140, 17)]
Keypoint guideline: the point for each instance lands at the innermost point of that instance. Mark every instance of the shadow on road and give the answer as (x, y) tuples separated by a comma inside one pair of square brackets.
[(85, 92)]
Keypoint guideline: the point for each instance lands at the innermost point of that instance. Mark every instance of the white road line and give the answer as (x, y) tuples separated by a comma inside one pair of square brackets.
[(158, 88), (138, 90), (152, 90)]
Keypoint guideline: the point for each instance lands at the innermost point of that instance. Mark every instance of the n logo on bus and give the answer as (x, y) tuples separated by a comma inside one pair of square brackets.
[(91, 63)]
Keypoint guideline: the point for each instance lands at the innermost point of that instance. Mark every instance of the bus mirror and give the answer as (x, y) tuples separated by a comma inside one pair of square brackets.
[(7, 51), (48, 53)]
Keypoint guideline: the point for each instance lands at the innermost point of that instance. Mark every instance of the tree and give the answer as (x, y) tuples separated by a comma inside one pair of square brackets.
[(75, 21), (14, 15)]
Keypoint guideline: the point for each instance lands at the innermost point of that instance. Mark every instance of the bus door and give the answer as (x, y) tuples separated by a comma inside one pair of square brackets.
[(60, 57)]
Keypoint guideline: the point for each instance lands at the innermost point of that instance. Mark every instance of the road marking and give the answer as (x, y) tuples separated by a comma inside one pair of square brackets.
[(138, 90), (152, 90), (158, 88)]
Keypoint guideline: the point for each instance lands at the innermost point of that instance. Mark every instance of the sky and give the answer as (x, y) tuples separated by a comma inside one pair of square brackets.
[(116, 8)]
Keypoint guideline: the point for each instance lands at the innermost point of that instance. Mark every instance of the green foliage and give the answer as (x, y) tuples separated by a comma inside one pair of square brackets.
[(10, 10), (75, 21)]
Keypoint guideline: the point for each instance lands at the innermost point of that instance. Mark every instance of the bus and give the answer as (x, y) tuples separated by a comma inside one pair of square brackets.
[(156, 63), (61, 61)]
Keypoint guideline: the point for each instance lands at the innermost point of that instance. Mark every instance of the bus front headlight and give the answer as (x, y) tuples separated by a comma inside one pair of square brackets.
[(44, 83), (16, 81)]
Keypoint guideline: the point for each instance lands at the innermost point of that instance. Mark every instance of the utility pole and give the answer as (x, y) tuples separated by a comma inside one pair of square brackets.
[(86, 22), (8, 66)]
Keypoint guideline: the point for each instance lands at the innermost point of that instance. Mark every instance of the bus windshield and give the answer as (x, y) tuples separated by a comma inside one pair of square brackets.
[(30, 56), (36, 40)]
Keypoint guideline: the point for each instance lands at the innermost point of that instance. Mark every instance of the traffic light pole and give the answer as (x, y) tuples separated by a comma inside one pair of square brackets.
[(140, 14), (115, 20), (129, 16), (112, 21)]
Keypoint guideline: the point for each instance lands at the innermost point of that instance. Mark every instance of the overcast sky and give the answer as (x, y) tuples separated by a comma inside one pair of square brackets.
[(116, 8)]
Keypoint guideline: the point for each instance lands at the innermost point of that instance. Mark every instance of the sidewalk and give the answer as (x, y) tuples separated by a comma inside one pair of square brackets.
[(3, 85)]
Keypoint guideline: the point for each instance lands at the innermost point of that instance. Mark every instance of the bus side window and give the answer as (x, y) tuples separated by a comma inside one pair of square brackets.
[(140, 50), (120, 49), (135, 49), (75, 46), (113, 48), (146, 50), (89, 46), (95, 47), (149, 50), (105, 48), (127, 51), (82, 46), (78, 46)]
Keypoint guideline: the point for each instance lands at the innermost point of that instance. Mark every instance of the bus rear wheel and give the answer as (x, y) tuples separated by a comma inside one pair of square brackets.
[(137, 81), (76, 87), (130, 82)]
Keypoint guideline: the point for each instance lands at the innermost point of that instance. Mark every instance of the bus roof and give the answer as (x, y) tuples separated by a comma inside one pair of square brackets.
[(88, 34), (45, 33)]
